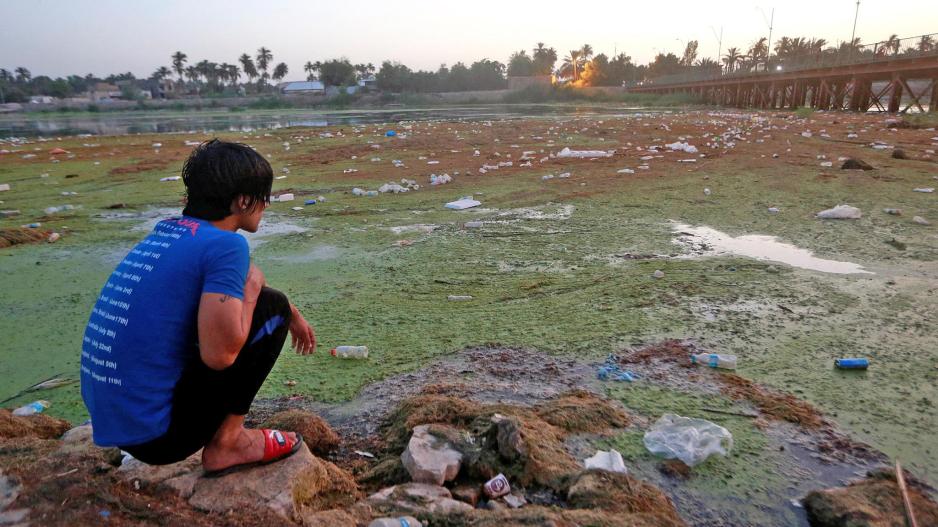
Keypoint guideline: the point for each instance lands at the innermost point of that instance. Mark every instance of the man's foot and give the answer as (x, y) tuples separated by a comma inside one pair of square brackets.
[(239, 448)]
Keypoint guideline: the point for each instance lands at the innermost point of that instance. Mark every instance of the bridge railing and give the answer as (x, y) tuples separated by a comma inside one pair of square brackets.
[(845, 55)]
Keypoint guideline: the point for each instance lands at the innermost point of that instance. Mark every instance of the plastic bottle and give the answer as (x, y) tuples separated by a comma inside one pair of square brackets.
[(725, 362), (402, 521), (852, 364), (35, 407), (350, 352)]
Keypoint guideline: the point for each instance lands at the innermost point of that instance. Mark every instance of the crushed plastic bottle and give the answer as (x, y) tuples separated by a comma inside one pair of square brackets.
[(724, 362), (35, 407), (350, 352), (402, 521)]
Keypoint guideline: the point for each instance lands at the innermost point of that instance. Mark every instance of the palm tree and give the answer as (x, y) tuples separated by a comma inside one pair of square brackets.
[(161, 73), (5, 75), (891, 44), (247, 65), (731, 58), (179, 60), (22, 74), (309, 68), (759, 50), (280, 71), (192, 73), (264, 56), (925, 44), (586, 51), (571, 63), (544, 59), (233, 73)]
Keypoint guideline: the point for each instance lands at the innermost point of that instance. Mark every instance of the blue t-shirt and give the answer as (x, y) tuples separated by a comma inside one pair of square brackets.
[(143, 329)]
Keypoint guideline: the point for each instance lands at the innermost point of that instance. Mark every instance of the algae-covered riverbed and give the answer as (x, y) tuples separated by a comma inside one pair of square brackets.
[(562, 265)]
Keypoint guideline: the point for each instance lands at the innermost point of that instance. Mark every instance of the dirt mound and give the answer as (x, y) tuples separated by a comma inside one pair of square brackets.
[(11, 236), (325, 486), (37, 426), (671, 350), (872, 502), (781, 406), (620, 493), (582, 411), (525, 444), (317, 434)]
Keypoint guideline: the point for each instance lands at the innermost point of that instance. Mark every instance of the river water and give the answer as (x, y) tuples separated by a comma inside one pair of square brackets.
[(57, 125)]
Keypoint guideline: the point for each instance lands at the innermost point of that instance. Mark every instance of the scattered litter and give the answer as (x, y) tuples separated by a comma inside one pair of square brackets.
[(54, 237), (35, 407), (350, 352), (689, 439), (289, 384), (473, 225), (690, 149), (927, 190), (706, 192), (400, 521), (714, 360), (827, 164), (893, 212), (288, 196), (603, 460), (773, 210), (390, 133), (4, 187), (296, 208), (459, 298), (350, 171), (920, 220), (463, 203), (497, 486), (309, 202), (11, 213), (566, 152), (440, 180), (515, 501), (365, 454), (392, 187), (611, 371), (60, 208), (856, 363), (625, 171), (840, 212), (658, 274), (171, 178)]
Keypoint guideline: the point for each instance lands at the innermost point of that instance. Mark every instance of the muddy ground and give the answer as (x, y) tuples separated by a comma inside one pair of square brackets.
[(560, 273)]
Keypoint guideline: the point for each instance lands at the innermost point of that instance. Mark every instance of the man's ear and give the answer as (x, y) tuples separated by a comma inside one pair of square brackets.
[(240, 205)]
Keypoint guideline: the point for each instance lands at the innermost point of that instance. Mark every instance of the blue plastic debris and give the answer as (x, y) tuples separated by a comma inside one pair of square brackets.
[(611, 371), (855, 363), (309, 202), (390, 133), (104, 513)]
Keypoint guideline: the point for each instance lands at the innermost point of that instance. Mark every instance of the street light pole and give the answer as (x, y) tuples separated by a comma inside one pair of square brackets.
[(771, 23), (719, 43)]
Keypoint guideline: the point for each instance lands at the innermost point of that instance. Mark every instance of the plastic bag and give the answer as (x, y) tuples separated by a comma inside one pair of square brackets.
[(688, 439)]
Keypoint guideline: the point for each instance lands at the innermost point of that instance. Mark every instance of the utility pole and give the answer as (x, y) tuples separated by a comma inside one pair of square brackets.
[(719, 43), (771, 23), (853, 35)]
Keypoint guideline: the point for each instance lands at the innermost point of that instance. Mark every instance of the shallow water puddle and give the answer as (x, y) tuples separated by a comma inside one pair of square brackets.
[(704, 241)]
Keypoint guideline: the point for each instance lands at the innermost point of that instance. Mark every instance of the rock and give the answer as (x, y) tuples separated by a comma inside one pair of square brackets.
[(515, 501), (494, 505), (421, 497), (658, 274), (9, 213), (607, 460), (299, 484), (920, 220), (468, 494), (899, 153), (509, 437), (897, 124), (429, 459), (856, 164), (79, 434), (896, 243), (134, 469), (9, 490), (316, 432)]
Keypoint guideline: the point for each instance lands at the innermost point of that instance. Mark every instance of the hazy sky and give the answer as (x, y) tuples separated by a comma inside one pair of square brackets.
[(60, 37)]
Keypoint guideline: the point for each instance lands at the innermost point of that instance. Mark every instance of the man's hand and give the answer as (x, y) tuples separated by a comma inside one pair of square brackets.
[(303, 336)]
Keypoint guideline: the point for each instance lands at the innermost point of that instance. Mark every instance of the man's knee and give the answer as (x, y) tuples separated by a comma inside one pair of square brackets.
[(275, 302)]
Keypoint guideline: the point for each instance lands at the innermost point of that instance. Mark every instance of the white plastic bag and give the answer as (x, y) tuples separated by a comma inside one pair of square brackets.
[(611, 461), (688, 439), (840, 212)]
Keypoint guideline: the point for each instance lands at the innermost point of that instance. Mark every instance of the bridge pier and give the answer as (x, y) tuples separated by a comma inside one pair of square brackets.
[(895, 97), (933, 102)]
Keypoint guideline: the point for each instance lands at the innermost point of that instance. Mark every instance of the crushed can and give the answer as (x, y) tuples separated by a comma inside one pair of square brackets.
[(497, 487)]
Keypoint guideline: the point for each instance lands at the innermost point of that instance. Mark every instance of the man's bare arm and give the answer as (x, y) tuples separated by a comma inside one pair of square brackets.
[(225, 322)]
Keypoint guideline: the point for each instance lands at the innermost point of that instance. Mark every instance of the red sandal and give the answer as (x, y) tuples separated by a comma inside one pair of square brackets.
[(277, 446)]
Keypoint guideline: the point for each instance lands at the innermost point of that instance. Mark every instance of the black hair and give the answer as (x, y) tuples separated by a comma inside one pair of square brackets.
[(218, 172)]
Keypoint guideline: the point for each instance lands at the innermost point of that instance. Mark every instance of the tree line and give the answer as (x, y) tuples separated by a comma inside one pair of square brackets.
[(252, 73)]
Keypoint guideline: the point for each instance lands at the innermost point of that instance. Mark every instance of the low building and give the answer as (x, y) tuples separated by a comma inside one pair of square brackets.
[(302, 87), (368, 83), (102, 92), (41, 99)]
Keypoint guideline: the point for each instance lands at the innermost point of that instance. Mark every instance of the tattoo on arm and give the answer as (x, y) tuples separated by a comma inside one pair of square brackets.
[(224, 298)]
